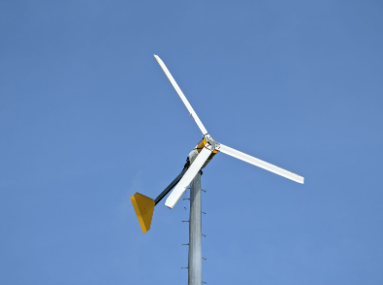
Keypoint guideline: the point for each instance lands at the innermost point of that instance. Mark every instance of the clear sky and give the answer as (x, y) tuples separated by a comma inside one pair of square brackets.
[(88, 118)]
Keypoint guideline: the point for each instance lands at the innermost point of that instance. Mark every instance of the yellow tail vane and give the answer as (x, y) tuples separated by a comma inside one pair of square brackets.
[(144, 207)]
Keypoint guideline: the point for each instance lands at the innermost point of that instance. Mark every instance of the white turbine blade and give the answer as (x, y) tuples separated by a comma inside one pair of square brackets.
[(260, 163), (181, 94), (188, 177)]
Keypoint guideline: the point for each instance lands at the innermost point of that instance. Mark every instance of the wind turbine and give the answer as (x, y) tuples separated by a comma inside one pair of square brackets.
[(197, 159)]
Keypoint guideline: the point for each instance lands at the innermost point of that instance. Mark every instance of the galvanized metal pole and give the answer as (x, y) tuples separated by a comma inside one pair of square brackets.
[(195, 233)]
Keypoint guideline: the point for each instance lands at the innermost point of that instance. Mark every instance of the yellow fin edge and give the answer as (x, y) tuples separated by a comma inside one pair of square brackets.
[(144, 207)]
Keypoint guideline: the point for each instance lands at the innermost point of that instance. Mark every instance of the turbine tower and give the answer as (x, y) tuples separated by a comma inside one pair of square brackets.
[(197, 159)]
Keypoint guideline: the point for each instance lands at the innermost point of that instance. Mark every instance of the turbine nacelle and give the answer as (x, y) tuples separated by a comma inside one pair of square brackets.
[(213, 145)]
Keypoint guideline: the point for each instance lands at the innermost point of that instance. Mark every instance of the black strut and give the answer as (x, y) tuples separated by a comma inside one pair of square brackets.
[(173, 183)]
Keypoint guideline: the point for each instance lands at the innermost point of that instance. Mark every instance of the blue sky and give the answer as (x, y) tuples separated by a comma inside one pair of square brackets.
[(87, 118)]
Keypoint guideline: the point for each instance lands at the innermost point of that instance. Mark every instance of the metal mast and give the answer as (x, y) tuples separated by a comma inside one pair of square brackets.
[(195, 233)]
